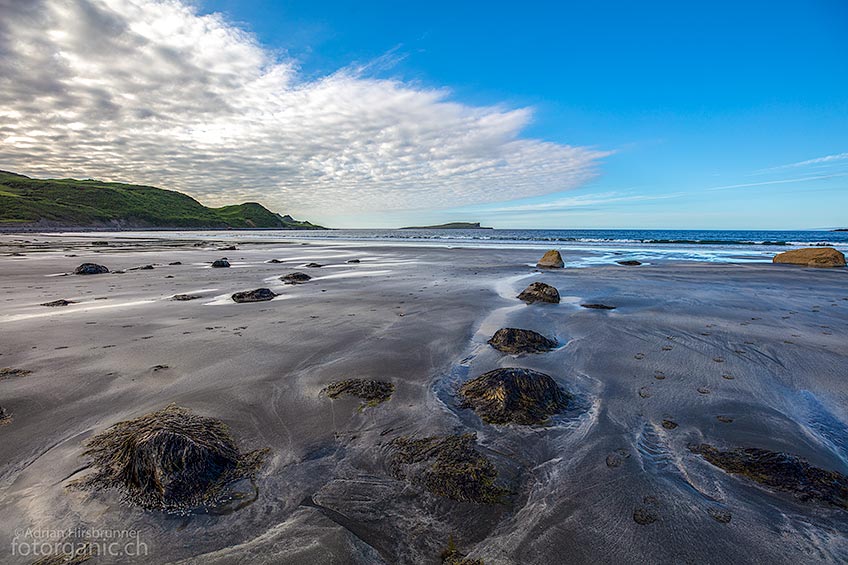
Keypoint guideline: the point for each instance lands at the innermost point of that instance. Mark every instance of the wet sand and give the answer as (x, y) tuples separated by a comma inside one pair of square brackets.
[(737, 355)]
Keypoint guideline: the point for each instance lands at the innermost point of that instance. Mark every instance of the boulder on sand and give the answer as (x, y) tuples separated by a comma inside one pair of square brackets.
[(314, 265), (90, 269), (60, 302), (220, 263), (515, 340), (171, 460), (629, 262), (812, 257), (514, 396), (258, 295), (295, 278), (539, 292), (373, 392), (551, 260)]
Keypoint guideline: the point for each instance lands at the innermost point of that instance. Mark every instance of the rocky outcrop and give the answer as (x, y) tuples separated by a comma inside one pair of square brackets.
[(220, 263), (373, 392), (258, 295), (551, 260), (539, 292), (90, 269), (171, 460), (60, 302), (515, 340), (295, 278), (447, 466), (812, 257), (780, 471), (514, 396)]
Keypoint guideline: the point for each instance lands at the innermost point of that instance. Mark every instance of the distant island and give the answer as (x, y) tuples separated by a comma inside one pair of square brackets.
[(68, 203), (841, 229), (451, 226)]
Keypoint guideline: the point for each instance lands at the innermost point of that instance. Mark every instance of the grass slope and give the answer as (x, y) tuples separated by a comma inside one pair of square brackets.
[(92, 203)]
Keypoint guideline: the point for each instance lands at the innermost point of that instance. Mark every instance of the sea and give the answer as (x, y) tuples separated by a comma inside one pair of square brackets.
[(587, 247)]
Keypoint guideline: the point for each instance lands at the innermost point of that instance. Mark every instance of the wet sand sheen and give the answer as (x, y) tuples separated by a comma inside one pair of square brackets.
[(609, 479)]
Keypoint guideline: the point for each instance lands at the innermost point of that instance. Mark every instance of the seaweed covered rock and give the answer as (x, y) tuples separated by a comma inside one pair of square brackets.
[(171, 460), (812, 257), (373, 392), (447, 466), (90, 269), (539, 292), (220, 264), (516, 340), (295, 278), (598, 306), (551, 260), (184, 297), (257, 295), (60, 302), (514, 396), (780, 471)]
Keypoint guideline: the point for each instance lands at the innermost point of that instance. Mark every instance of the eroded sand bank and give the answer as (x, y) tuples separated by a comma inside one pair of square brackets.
[(749, 355)]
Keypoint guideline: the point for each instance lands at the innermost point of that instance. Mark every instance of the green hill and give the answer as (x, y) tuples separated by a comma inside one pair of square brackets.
[(94, 204)]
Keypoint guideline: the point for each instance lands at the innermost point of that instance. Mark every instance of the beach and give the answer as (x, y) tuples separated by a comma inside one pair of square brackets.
[(735, 354)]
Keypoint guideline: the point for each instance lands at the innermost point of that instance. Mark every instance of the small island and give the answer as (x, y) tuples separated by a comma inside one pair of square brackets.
[(841, 229), (451, 226)]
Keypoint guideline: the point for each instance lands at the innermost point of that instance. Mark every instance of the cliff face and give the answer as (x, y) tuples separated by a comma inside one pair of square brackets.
[(28, 202)]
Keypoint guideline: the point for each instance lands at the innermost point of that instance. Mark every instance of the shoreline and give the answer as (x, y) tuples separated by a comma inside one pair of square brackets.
[(419, 316)]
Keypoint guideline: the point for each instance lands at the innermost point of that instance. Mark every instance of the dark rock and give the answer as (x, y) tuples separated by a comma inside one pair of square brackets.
[(373, 392), (16, 254), (644, 516), (175, 263), (669, 424), (169, 460), (184, 297), (275, 261), (724, 419), (616, 458), (780, 471), (90, 269), (447, 466), (258, 295), (598, 306), (228, 248), (8, 372), (5, 417), (630, 263), (60, 302), (719, 515), (99, 243), (313, 265), (295, 278), (514, 396), (514, 340), (142, 268), (220, 263), (352, 261), (551, 260), (539, 292)]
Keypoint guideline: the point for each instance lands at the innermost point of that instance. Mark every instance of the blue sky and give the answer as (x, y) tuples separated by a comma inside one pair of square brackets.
[(689, 96), (725, 115)]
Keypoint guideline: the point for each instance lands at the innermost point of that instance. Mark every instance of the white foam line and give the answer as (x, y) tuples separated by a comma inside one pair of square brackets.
[(71, 310)]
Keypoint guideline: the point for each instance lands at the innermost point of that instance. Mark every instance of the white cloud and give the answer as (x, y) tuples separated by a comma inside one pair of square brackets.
[(826, 160), (152, 92)]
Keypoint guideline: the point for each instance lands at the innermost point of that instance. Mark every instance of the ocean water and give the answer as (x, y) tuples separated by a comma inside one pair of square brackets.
[(585, 246)]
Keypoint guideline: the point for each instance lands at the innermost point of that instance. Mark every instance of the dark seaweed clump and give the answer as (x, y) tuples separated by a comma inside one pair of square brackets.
[(371, 391), (780, 471), (514, 396), (172, 460), (447, 466)]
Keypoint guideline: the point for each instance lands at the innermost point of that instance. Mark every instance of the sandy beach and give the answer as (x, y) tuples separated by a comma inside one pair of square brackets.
[(746, 355)]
